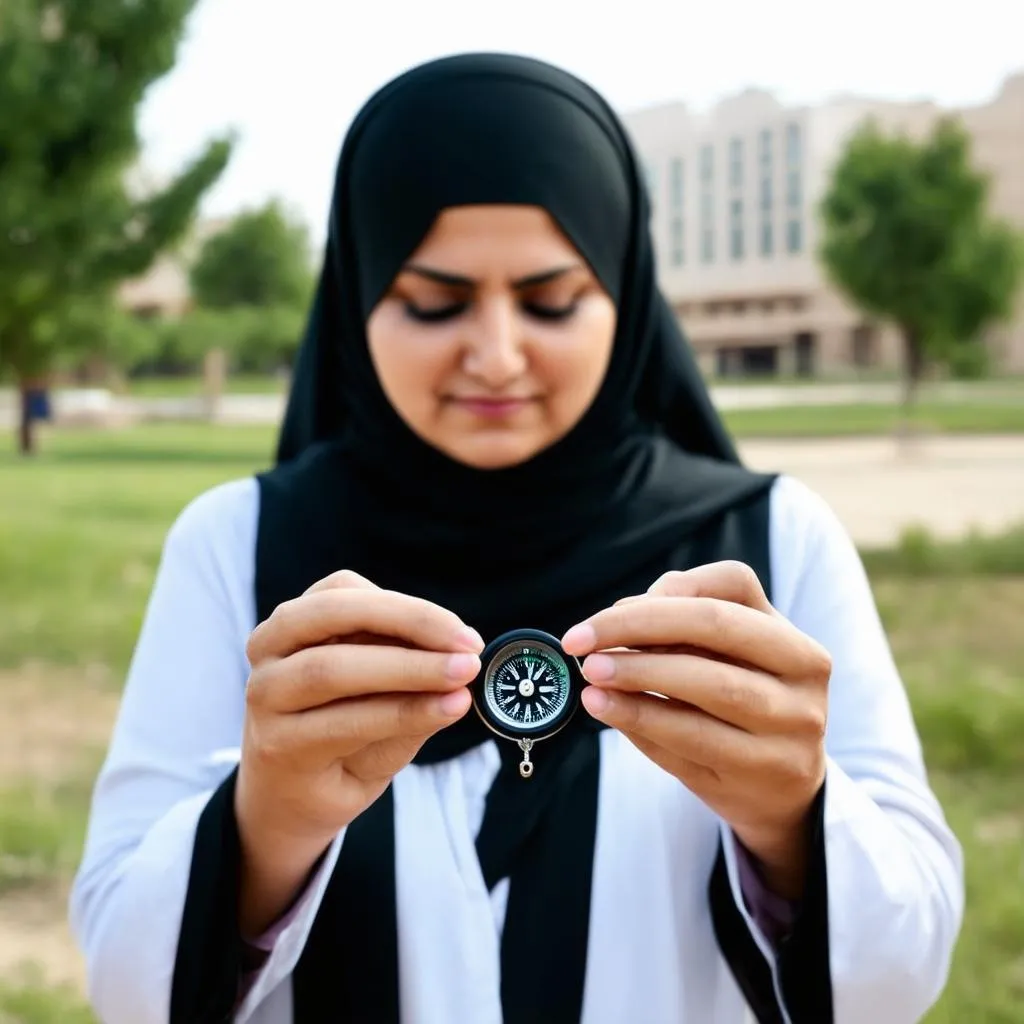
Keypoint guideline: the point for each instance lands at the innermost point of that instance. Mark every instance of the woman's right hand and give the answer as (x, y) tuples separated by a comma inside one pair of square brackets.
[(347, 683)]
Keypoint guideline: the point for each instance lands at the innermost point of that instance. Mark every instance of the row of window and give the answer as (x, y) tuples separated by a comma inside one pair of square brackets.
[(737, 237), (736, 168), (735, 184)]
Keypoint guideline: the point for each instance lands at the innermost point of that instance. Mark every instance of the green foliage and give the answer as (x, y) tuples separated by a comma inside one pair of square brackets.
[(918, 553), (256, 340), (73, 74), (104, 330), (262, 259), (32, 1001), (908, 238), (78, 550), (267, 339), (41, 830)]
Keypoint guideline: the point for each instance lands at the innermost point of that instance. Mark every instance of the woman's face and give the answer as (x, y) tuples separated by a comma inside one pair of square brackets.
[(495, 336)]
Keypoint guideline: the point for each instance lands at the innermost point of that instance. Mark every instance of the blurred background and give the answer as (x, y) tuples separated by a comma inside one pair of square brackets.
[(838, 206)]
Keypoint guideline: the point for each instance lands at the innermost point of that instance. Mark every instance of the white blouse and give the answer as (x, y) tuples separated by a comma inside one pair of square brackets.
[(895, 873)]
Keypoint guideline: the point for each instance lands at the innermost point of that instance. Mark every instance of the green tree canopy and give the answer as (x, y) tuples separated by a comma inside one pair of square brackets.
[(908, 237), (72, 75), (261, 259)]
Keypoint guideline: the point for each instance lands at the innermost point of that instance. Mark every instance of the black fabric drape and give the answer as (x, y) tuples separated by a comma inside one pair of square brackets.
[(647, 481)]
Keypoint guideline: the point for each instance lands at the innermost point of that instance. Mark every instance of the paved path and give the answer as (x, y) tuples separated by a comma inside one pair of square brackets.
[(99, 404), (948, 484)]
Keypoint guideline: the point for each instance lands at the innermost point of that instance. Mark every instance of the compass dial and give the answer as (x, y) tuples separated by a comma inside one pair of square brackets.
[(527, 687)]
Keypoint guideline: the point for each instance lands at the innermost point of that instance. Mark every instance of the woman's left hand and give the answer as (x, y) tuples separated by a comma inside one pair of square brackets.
[(744, 724)]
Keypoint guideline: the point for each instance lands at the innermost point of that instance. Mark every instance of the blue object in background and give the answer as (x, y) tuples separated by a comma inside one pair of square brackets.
[(39, 405)]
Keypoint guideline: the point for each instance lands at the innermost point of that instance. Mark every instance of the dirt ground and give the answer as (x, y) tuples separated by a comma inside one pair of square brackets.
[(877, 487), (49, 723)]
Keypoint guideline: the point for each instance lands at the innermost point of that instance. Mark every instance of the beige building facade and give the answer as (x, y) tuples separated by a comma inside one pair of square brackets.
[(735, 194), (164, 289)]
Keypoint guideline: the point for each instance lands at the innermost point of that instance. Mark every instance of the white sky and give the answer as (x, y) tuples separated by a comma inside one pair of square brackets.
[(289, 75)]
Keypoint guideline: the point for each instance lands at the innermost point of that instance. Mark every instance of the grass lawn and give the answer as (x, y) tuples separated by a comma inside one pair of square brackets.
[(960, 417), (991, 406), (184, 387), (80, 535)]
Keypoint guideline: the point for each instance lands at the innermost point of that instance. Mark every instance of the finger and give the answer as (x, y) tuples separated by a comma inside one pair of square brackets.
[(698, 778), (687, 732), (727, 581), (320, 675), (737, 632), (750, 700), (321, 616), (343, 579), (397, 723)]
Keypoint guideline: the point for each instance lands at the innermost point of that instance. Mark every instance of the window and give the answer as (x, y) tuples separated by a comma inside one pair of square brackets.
[(651, 174), (707, 204), (736, 163), (793, 154), (678, 253), (794, 235), (767, 191), (736, 229), (707, 226), (793, 189), (864, 346), (676, 183), (707, 246), (707, 163)]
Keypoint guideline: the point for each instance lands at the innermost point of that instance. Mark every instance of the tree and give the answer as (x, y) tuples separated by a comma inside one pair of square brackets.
[(907, 236), (72, 75), (261, 259), (256, 277)]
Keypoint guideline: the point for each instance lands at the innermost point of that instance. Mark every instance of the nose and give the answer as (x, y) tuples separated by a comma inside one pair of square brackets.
[(494, 351)]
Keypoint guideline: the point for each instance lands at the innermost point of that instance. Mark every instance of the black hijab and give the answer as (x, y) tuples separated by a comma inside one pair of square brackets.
[(647, 481), (649, 463)]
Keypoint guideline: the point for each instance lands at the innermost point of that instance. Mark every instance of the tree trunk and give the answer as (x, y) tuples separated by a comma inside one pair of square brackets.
[(26, 425), (215, 365), (913, 371)]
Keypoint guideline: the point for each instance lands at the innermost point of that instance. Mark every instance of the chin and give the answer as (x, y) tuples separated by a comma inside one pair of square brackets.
[(492, 453)]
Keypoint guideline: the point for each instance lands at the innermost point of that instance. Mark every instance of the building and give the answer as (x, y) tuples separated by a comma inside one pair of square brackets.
[(734, 197), (164, 289)]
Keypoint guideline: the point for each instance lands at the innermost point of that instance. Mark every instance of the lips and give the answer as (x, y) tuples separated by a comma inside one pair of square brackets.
[(492, 408)]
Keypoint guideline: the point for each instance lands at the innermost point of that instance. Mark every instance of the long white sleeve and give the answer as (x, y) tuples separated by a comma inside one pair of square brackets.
[(895, 888), (895, 871), (176, 738)]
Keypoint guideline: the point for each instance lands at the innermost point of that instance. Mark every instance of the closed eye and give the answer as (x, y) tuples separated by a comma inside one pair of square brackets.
[(441, 314), (437, 314), (550, 313)]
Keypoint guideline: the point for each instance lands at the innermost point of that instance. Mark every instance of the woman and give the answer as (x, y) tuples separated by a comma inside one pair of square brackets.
[(495, 424)]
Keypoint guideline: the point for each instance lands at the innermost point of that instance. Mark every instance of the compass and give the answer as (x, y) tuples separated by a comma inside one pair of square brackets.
[(527, 689)]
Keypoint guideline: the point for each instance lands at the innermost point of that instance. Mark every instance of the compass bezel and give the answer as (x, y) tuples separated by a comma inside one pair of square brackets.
[(496, 650)]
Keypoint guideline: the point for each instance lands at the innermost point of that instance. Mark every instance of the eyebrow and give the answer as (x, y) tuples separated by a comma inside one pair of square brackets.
[(458, 281)]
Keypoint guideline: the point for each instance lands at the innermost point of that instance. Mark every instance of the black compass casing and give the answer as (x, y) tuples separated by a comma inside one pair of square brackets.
[(528, 687)]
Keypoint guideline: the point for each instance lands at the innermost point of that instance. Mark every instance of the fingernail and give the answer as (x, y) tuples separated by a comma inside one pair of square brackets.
[(462, 667), (454, 703), (595, 701), (471, 639), (580, 639), (599, 668)]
